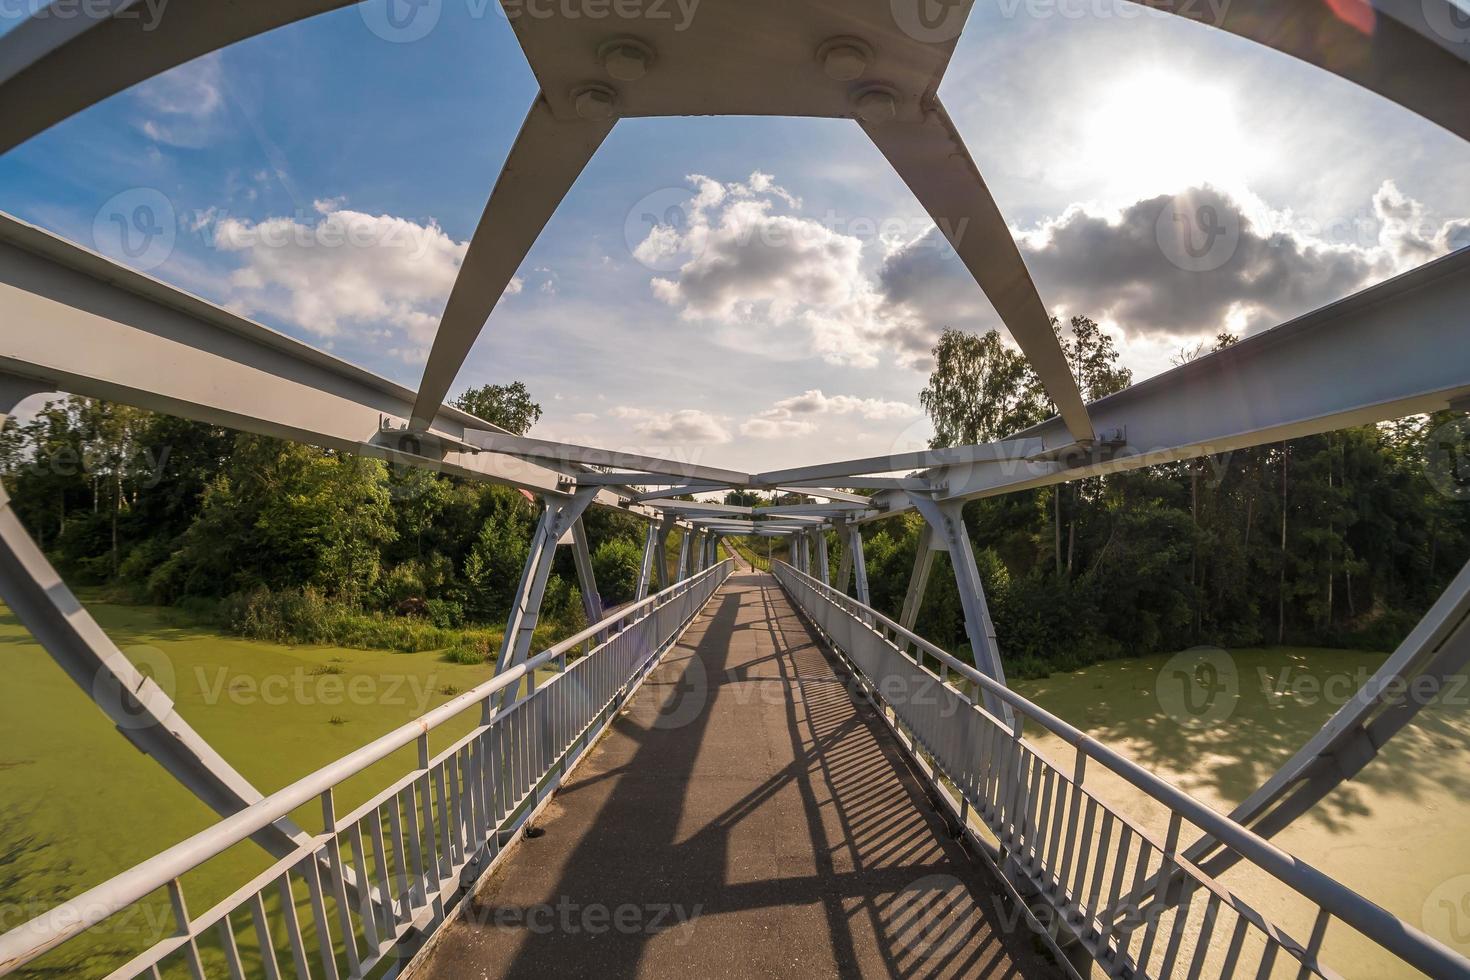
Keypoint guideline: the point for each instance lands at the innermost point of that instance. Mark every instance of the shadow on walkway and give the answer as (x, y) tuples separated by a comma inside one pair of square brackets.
[(743, 816)]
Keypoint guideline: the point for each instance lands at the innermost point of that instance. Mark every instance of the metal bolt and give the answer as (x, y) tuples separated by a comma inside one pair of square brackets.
[(844, 63), (877, 106), (626, 63), (595, 103)]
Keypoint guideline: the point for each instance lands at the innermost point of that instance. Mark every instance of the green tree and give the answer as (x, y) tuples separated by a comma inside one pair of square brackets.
[(284, 515), (508, 406), (979, 391), (616, 564)]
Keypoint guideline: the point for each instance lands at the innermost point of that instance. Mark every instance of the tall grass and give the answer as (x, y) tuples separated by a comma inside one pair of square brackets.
[(306, 616)]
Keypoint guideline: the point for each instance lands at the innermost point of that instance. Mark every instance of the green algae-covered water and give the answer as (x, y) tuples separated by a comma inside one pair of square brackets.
[(78, 804)]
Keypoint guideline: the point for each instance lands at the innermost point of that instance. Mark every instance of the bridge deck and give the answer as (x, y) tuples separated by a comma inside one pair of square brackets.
[(745, 816)]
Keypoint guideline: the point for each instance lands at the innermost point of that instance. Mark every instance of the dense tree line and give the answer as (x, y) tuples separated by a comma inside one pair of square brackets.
[(1330, 540), (174, 511)]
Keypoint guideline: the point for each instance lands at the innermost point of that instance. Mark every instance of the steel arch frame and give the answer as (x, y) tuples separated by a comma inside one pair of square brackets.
[(76, 321)]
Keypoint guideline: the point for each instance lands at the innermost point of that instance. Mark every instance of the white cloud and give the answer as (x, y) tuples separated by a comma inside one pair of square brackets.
[(785, 283), (760, 427), (183, 103), (374, 275), (688, 426), (791, 417), (814, 402)]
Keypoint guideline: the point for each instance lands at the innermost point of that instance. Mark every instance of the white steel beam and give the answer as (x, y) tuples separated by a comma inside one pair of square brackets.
[(565, 453), (1392, 350), (918, 578), (559, 514), (645, 567), (52, 66), (547, 157), (80, 323), (931, 157), (1009, 450), (586, 578), (947, 524)]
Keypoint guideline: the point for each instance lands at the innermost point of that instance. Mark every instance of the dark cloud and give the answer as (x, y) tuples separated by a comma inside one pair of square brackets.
[(1177, 265)]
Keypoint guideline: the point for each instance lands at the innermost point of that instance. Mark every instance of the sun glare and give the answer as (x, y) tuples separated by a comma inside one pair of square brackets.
[(1156, 131)]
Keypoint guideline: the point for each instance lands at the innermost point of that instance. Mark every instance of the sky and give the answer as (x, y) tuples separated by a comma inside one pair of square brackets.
[(325, 180)]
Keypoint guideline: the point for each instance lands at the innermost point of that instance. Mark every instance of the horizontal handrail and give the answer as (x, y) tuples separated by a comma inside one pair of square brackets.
[(49, 930), (1411, 945)]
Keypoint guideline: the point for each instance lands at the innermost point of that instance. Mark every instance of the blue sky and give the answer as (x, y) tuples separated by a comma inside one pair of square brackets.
[(791, 320)]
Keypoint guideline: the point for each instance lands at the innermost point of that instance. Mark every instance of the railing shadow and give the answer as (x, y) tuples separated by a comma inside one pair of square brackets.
[(771, 815)]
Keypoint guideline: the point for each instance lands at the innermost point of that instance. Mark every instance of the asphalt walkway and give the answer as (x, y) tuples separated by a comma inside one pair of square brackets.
[(745, 816)]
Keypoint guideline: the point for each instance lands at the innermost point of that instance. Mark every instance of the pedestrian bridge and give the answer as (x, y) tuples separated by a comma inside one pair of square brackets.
[(739, 772), (744, 774)]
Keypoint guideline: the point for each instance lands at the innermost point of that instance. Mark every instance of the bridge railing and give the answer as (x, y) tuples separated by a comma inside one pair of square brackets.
[(1097, 877), (342, 902)]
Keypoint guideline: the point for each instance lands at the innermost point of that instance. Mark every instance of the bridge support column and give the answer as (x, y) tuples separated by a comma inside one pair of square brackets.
[(684, 544), (844, 563), (661, 558), (586, 578), (947, 525), (859, 565), (823, 570), (559, 515), (142, 711), (919, 578), (651, 543)]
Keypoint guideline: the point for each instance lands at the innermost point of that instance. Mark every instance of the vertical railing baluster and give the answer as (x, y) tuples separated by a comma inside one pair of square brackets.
[(231, 948), (339, 885), (268, 962), (367, 911), (293, 926), (185, 927), (311, 871)]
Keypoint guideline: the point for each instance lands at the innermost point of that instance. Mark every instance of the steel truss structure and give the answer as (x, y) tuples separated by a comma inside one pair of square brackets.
[(73, 320)]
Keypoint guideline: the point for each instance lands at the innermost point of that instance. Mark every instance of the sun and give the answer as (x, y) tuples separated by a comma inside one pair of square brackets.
[(1155, 131)]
